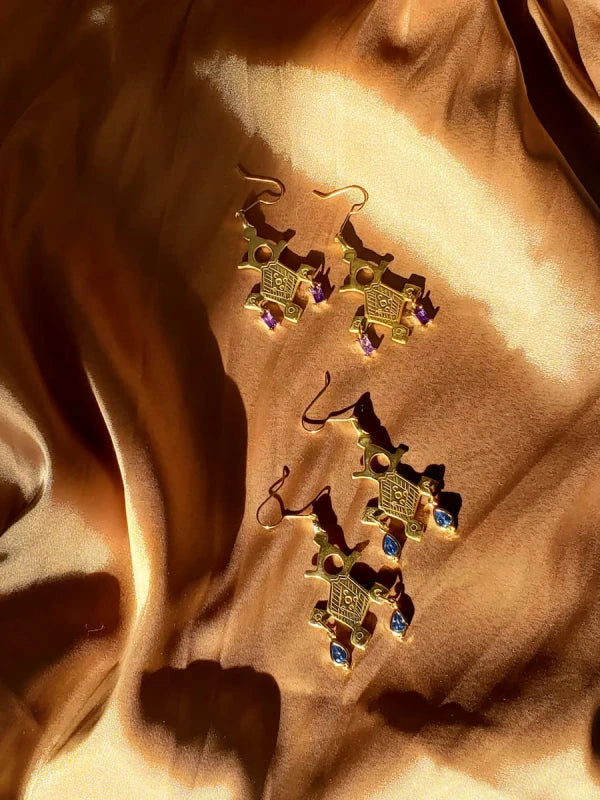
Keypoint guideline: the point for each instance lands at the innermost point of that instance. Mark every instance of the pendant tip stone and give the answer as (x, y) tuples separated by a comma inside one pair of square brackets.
[(422, 315), (398, 624), (366, 344), (443, 518), (269, 320), (339, 655), (318, 295), (390, 546)]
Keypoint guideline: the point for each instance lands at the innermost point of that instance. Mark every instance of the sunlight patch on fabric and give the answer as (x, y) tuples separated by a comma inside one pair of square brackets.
[(562, 776), (119, 767), (337, 132), (426, 780)]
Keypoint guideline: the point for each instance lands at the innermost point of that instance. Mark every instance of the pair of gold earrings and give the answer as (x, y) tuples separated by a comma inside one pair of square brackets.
[(394, 308), (403, 508)]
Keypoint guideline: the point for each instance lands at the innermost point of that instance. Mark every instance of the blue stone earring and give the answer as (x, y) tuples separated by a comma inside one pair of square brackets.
[(400, 500), (348, 601), (279, 283)]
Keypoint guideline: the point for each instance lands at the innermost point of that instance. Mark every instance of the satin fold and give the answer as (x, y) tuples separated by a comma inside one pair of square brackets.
[(155, 640)]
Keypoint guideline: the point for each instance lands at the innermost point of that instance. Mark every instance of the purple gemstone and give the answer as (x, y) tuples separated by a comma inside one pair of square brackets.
[(422, 315), (269, 319), (317, 292), (366, 344)]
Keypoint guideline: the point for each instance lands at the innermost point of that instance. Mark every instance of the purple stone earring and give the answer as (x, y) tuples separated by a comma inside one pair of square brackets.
[(383, 304), (276, 297)]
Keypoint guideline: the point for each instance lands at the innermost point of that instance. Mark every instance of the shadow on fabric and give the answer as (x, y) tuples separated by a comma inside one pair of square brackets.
[(410, 712), (567, 121), (239, 706), (40, 624)]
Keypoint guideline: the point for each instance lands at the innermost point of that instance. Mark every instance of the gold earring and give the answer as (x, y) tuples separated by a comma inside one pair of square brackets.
[(399, 499), (383, 305), (278, 282), (348, 601)]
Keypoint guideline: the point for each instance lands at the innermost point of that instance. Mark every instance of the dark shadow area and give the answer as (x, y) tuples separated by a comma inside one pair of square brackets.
[(239, 706), (280, 27), (572, 128), (516, 685), (201, 538), (595, 734), (323, 508), (256, 217), (44, 301), (370, 422), (40, 624), (354, 241), (407, 607), (410, 712)]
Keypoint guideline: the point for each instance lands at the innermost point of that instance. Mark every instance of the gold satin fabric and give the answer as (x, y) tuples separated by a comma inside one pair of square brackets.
[(154, 639)]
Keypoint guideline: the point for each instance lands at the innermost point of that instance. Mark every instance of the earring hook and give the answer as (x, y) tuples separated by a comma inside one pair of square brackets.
[(286, 513), (262, 179), (355, 208), (331, 417), (273, 495)]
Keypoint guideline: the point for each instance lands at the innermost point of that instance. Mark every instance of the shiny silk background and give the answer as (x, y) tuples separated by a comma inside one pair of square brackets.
[(154, 640)]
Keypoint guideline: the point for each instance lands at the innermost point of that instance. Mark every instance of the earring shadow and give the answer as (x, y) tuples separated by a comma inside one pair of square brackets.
[(410, 712), (354, 241), (370, 422)]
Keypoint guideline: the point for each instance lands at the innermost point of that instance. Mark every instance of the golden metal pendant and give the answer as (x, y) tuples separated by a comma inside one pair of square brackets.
[(411, 504), (278, 283), (382, 304), (348, 601), (399, 498)]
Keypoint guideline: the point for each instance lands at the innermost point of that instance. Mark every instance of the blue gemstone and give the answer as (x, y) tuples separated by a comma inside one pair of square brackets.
[(390, 546), (339, 654), (443, 518), (398, 624)]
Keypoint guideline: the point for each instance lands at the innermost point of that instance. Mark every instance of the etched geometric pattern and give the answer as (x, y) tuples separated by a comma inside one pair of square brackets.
[(278, 282), (348, 602), (398, 497), (383, 304)]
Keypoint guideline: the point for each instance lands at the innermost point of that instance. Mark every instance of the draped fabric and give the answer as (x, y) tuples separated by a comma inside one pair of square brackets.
[(154, 639)]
